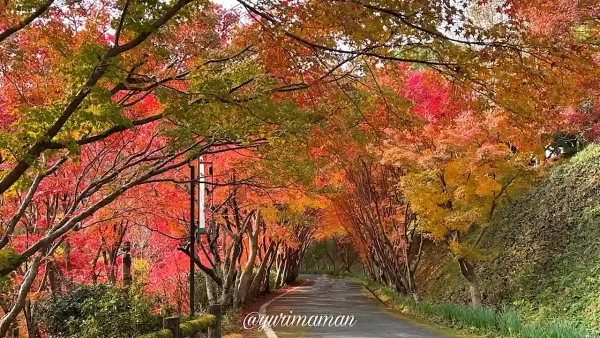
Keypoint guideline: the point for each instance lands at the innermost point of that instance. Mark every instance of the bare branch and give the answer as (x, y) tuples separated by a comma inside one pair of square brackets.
[(11, 30), (121, 21)]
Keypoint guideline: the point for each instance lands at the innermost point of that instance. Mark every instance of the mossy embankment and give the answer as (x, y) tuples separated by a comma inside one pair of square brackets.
[(542, 251)]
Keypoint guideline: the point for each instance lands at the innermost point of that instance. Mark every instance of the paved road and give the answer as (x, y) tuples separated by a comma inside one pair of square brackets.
[(323, 295)]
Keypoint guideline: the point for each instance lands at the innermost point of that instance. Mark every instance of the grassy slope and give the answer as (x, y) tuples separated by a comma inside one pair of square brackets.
[(544, 250)]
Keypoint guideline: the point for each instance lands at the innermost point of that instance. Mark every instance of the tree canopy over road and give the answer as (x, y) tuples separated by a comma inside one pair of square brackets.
[(385, 125)]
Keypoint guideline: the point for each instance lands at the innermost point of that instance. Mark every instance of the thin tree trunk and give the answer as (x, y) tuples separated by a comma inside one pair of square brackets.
[(246, 274), (53, 281), (468, 271), (21, 298), (255, 286), (29, 312), (126, 272)]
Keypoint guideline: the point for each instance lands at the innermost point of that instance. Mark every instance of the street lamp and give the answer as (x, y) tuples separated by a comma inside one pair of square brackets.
[(192, 239), (201, 181), (201, 195)]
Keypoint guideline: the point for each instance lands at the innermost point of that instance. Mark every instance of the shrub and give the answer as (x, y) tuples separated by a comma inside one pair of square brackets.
[(99, 311)]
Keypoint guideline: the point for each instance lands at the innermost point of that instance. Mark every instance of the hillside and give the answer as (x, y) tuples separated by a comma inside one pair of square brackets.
[(543, 250)]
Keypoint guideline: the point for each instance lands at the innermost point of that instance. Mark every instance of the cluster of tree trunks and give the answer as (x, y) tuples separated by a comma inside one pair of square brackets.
[(382, 226), (237, 255), (289, 258), (334, 254)]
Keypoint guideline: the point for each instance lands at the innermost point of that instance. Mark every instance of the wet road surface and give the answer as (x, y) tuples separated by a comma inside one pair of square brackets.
[(323, 295)]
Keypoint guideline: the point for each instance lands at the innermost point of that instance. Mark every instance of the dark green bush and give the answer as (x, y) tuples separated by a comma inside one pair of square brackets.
[(99, 311)]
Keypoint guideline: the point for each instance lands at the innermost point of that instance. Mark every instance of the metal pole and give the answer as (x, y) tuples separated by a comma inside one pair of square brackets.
[(201, 195), (192, 239)]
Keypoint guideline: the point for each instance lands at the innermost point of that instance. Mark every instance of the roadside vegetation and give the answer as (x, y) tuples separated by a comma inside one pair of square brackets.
[(542, 253), (487, 321)]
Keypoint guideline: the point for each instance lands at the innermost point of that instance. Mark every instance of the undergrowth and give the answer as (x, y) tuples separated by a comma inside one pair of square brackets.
[(504, 322)]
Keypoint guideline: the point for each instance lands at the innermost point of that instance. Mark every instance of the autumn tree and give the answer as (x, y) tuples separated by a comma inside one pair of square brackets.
[(253, 226), (460, 163), (382, 225)]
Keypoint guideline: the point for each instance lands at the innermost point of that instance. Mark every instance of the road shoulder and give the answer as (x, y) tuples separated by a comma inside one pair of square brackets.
[(392, 310)]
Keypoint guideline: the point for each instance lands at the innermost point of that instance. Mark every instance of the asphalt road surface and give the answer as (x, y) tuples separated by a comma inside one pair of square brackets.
[(323, 295)]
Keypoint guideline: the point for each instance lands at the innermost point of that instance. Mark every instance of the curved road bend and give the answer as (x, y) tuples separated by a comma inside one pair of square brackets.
[(323, 295)]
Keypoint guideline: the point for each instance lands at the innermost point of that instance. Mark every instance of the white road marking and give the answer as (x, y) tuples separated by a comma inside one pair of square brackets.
[(263, 311)]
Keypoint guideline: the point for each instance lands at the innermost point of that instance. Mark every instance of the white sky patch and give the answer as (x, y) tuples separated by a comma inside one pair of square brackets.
[(227, 4)]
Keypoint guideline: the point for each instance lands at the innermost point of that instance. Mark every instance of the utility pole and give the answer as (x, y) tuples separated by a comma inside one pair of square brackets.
[(201, 225), (192, 236), (201, 196)]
